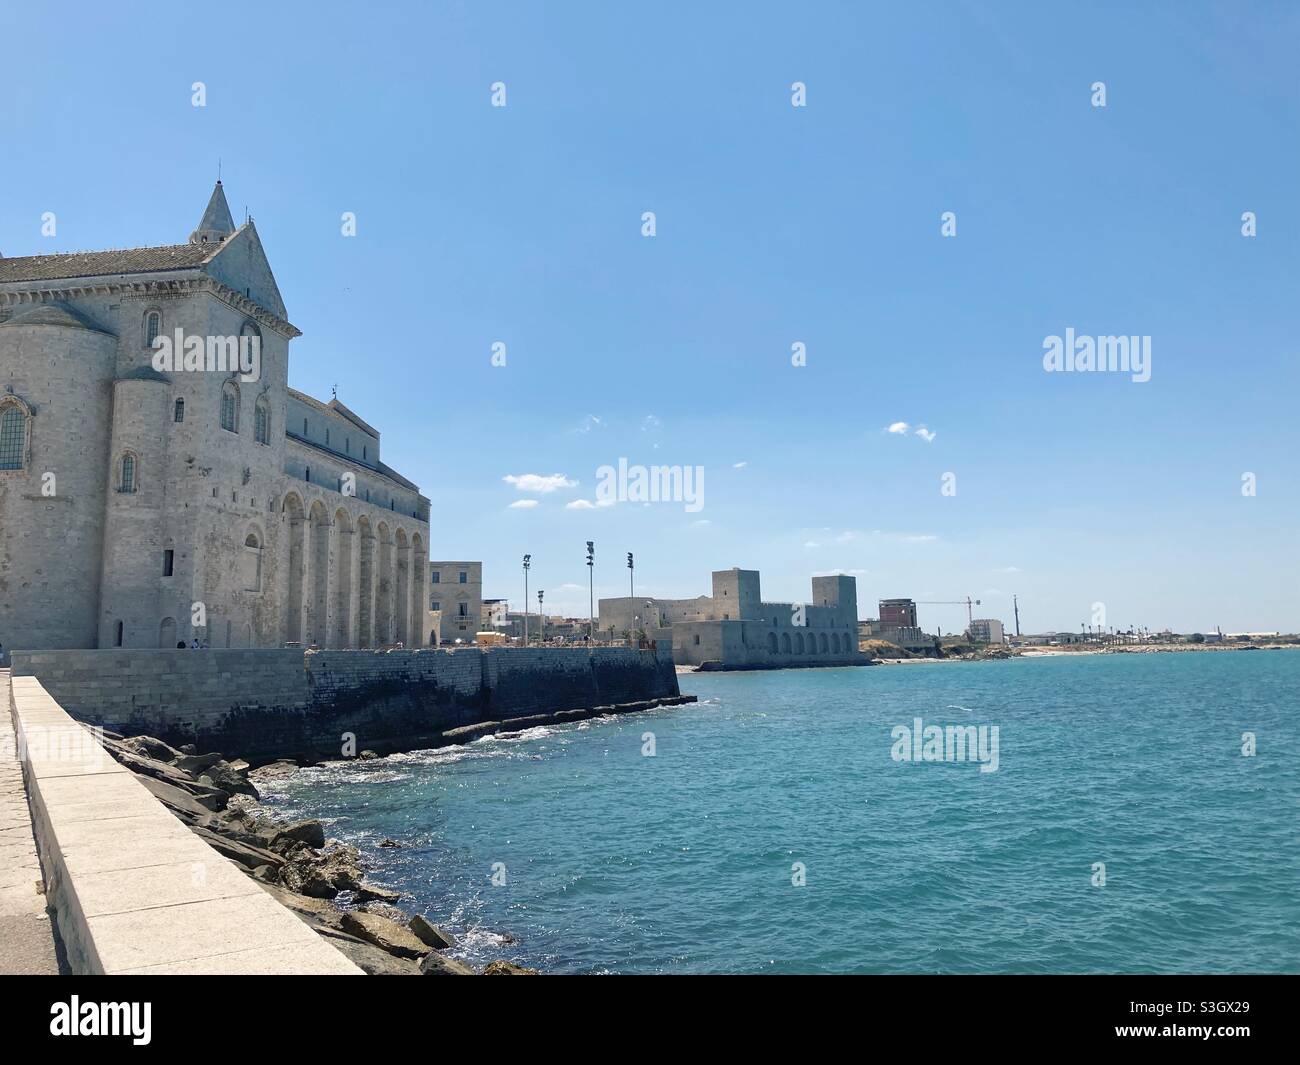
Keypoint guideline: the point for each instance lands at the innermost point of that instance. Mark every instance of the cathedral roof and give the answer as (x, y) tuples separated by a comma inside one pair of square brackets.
[(334, 407), (105, 263), (53, 314)]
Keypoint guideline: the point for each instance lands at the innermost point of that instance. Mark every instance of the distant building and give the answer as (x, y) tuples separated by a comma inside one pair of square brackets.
[(735, 629), (908, 637), (986, 630), (898, 612), (455, 601), (1040, 639), (495, 616)]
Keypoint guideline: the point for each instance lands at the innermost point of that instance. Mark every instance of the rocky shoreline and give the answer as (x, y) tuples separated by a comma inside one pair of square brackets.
[(322, 881)]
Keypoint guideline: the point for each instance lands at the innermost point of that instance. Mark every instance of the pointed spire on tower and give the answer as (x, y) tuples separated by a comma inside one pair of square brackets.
[(216, 224)]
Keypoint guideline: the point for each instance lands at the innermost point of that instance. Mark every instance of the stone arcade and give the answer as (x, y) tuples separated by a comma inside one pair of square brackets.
[(140, 508)]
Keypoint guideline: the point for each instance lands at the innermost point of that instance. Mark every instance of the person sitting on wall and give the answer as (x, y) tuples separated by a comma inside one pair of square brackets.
[(194, 644), (180, 645)]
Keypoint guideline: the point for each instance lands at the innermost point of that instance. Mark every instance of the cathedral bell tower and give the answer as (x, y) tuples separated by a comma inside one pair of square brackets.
[(216, 224)]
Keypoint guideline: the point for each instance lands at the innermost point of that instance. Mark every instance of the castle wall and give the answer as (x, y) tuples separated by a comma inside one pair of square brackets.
[(622, 614)]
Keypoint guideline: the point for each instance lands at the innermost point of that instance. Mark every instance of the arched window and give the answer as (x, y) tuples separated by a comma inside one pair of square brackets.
[(250, 349), (262, 421), (178, 411), (252, 563), (230, 407), (126, 474), (13, 437), (152, 327)]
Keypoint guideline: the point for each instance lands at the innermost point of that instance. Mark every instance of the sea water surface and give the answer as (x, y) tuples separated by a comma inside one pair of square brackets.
[(687, 861)]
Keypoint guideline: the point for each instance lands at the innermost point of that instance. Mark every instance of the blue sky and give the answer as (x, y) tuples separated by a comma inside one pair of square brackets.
[(775, 225)]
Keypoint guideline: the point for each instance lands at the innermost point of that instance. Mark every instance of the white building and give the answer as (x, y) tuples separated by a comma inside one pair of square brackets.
[(986, 630)]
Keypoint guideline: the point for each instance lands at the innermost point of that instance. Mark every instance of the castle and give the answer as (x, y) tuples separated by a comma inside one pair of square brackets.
[(145, 507), (735, 629)]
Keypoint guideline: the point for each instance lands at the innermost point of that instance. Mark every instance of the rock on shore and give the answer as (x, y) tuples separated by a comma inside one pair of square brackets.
[(294, 862)]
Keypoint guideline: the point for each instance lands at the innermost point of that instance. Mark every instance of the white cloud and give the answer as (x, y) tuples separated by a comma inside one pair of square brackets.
[(1008, 569), (523, 504), (538, 482), (580, 504), (812, 543), (650, 423), (701, 521), (589, 423), (903, 428), (926, 538), (739, 465)]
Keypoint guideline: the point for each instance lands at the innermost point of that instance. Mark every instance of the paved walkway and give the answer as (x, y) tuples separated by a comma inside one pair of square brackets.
[(26, 932)]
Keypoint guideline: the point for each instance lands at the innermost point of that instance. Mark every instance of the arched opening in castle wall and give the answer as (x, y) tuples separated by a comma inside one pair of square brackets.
[(320, 569), (293, 513), (366, 588), (418, 576), (384, 589), (342, 580), (402, 595)]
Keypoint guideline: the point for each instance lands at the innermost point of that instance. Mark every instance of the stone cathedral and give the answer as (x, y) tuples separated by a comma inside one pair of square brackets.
[(143, 507)]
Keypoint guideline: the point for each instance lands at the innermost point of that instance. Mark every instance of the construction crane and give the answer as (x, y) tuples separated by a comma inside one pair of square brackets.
[(967, 602)]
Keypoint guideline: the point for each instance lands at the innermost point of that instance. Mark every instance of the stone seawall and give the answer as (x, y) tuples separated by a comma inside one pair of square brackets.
[(287, 703)]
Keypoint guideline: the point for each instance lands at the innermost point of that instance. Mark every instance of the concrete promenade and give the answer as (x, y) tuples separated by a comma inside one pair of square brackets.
[(27, 935), (135, 891)]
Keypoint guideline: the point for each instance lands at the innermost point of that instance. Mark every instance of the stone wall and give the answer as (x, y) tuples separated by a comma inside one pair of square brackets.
[(266, 704)]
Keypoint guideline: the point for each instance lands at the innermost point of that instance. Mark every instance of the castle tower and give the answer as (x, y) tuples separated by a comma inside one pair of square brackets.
[(736, 595), (839, 593)]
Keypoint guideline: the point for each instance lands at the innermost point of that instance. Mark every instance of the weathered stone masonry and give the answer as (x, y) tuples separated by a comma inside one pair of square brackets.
[(267, 704), (139, 508)]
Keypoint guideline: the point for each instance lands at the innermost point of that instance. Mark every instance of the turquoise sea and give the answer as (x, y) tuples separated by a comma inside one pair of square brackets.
[(684, 862)]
